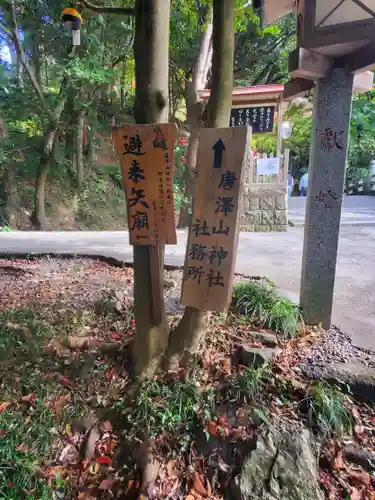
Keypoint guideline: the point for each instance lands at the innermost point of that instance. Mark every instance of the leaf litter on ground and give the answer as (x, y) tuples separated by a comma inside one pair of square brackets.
[(58, 300)]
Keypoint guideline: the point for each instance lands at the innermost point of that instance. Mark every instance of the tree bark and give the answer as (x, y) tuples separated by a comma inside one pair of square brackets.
[(194, 116), (38, 218), (39, 215), (79, 147), (151, 106), (186, 336)]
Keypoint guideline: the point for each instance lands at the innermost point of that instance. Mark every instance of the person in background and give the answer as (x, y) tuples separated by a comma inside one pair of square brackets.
[(290, 185), (303, 184)]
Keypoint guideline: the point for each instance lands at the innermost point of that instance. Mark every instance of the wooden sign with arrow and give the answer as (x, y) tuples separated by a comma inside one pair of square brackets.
[(218, 148), (213, 239)]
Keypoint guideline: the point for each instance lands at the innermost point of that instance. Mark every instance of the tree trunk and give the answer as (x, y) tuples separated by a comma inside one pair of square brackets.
[(79, 147), (151, 106), (188, 333), (39, 215), (194, 116), (38, 218)]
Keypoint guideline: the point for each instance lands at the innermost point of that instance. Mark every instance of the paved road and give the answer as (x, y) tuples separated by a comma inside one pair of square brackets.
[(357, 210), (276, 255)]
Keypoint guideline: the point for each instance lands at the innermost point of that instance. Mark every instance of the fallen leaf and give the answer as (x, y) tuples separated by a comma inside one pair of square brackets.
[(30, 398), (58, 403), (115, 335), (212, 428), (3, 432), (226, 366), (171, 467), (355, 494), (106, 484), (105, 426), (104, 460), (69, 454), (63, 380), (356, 415), (338, 463), (5, 405), (198, 485), (23, 448), (190, 497), (93, 438), (359, 430), (195, 495), (361, 478), (75, 342)]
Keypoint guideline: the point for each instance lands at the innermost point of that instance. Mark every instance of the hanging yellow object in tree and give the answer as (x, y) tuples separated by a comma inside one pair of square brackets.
[(73, 20)]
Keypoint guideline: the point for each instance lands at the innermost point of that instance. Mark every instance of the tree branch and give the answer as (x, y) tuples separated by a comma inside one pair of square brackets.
[(6, 30), (13, 33), (102, 9)]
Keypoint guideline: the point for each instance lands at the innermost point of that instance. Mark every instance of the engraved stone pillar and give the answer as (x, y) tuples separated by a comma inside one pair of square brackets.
[(332, 109)]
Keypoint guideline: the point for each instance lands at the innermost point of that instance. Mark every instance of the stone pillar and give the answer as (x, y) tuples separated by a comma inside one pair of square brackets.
[(331, 117)]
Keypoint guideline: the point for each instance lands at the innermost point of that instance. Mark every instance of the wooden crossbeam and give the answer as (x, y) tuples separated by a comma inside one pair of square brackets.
[(297, 87), (307, 64)]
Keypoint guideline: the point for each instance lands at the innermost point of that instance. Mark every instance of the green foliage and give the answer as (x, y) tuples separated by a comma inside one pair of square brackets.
[(19, 331), (248, 385), (170, 407), (327, 409), (299, 142), (23, 449), (263, 306), (262, 57)]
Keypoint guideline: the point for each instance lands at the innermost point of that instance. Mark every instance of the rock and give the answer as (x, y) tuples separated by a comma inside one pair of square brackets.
[(360, 378), (359, 456), (282, 467), (266, 339), (255, 357), (168, 284)]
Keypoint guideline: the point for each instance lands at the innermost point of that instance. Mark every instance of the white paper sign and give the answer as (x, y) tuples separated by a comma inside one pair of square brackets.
[(268, 166)]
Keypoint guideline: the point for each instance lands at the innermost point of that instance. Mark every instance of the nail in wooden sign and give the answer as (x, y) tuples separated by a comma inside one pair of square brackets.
[(213, 237), (146, 154)]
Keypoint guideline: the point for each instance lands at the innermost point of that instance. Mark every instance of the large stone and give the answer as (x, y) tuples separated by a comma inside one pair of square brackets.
[(359, 377), (356, 455), (282, 467), (267, 339), (255, 357)]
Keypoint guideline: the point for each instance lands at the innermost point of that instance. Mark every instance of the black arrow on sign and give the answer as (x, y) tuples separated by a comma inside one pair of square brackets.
[(218, 157)]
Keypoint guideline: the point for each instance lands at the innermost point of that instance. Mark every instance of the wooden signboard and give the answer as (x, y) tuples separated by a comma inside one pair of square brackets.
[(146, 155), (260, 118), (213, 238)]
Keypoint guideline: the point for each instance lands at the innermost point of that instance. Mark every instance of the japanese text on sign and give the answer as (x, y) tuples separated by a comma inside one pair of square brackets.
[(146, 154), (261, 119), (212, 243)]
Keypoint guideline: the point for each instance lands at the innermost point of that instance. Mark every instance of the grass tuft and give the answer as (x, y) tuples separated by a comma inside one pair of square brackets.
[(248, 385), (263, 306), (327, 409), (170, 407)]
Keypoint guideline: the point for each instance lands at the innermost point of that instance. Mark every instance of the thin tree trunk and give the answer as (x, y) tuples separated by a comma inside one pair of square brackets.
[(79, 147), (194, 116), (39, 215), (192, 326), (151, 106), (38, 218), (8, 185)]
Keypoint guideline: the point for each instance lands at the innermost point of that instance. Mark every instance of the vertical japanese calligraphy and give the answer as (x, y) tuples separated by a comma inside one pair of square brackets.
[(146, 154), (213, 237), (261, 119)]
